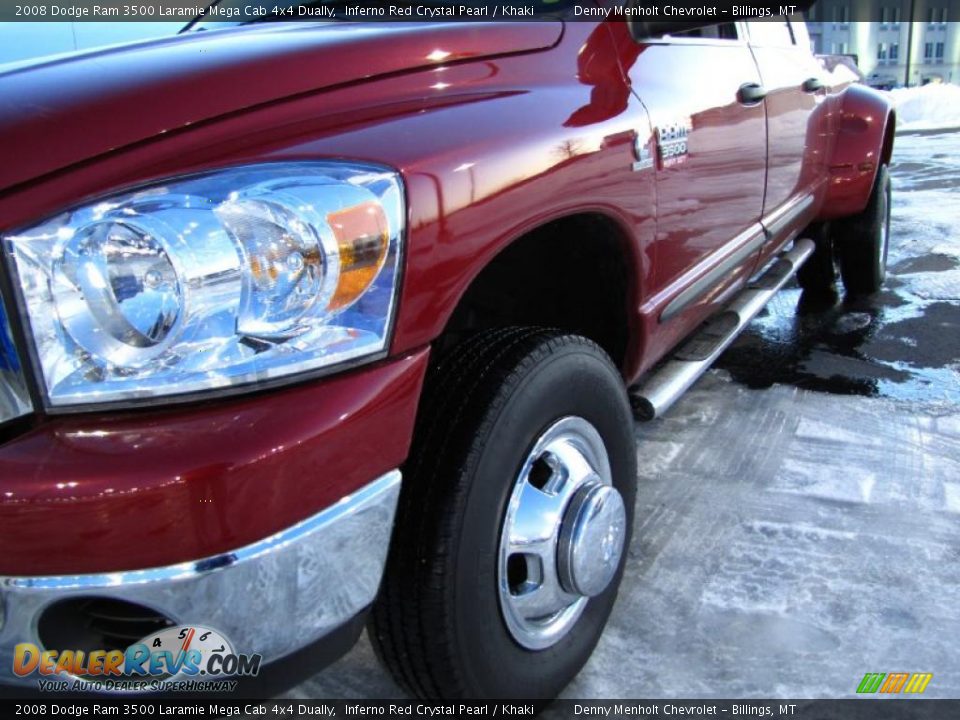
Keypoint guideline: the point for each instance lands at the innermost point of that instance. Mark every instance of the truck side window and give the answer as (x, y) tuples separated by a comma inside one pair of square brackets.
[(721, 31), (774, 32)]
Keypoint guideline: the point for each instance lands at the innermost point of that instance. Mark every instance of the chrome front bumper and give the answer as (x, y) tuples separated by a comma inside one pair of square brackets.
[(272, 597)]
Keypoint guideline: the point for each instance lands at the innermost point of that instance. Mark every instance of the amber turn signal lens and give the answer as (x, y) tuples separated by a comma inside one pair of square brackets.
[(363, 237)]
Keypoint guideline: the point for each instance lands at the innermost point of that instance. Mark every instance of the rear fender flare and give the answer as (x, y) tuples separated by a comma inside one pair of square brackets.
[(864, 141)]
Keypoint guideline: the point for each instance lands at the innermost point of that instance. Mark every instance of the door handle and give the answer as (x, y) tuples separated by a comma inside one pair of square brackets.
[(751, 93), (812, 85)]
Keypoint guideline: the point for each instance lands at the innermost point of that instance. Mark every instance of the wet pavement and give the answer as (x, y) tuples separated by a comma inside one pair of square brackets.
[(798, 519), (903, 342)]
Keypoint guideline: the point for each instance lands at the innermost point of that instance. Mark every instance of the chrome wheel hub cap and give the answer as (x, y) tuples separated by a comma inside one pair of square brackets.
[(563, 534)]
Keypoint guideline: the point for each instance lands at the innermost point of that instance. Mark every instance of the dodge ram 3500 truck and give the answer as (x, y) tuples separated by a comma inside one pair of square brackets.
[(307, 327)]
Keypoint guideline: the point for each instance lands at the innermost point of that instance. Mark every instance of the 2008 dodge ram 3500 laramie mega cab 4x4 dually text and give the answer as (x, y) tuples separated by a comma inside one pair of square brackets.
[(308, 327)]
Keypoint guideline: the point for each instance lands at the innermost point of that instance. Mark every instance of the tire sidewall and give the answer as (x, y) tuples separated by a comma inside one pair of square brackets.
[(572, 382), (883, 220), (864, 242)]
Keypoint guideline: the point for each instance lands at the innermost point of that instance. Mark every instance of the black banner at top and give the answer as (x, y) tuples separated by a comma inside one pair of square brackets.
[(244, 11), (405, 709)]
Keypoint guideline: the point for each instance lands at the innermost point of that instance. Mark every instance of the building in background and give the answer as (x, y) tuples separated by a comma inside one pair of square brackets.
[(878, 33)]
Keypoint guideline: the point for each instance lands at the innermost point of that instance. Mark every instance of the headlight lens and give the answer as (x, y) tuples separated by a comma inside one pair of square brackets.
[(233, 277)]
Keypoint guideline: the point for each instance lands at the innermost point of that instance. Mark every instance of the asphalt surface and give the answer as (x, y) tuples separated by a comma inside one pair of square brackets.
[(902, 343), (798, 520)]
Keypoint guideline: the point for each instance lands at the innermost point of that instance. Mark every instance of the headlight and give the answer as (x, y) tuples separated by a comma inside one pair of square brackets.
[(223, 279)]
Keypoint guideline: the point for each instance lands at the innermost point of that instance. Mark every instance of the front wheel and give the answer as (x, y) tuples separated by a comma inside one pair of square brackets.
[(514, 519)]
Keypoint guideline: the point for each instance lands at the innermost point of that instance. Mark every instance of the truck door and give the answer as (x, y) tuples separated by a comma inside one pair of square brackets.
[(708, 152), (797, 129)]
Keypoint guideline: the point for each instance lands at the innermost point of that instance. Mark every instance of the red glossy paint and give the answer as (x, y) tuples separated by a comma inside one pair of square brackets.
[(797, 136), (864, 120), (488, 149), (128, 491), (712, 194), (79, 108), (519, 125)]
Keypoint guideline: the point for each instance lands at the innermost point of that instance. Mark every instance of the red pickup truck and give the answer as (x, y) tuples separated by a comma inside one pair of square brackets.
[(312, 326)]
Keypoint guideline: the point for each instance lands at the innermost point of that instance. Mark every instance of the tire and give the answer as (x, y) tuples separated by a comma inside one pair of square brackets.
[(440, 622), (818, 274), (862, 241)]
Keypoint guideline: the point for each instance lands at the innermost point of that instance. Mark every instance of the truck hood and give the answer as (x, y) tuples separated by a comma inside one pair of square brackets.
[(60, 112)]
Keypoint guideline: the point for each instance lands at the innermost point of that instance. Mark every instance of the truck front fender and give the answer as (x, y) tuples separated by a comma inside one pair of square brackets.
[(863, 141)]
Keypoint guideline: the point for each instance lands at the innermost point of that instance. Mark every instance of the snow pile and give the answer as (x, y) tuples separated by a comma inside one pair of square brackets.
[(929, 107)]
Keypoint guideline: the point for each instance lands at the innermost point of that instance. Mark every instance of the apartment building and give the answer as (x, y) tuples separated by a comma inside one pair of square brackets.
[(890, 49)]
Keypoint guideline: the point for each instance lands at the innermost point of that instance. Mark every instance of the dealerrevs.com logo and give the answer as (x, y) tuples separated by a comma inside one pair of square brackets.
[(185, 658)]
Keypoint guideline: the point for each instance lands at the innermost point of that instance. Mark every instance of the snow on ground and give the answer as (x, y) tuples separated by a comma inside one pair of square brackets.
[(928, 107), (902, 342)]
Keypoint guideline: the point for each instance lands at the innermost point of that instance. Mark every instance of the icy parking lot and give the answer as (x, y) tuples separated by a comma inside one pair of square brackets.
[(798, 520)]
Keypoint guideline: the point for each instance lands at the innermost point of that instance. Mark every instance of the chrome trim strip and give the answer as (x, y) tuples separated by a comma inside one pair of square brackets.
[(14, 396), (770, 226), (788, 212), (749, 241), (272, 597)]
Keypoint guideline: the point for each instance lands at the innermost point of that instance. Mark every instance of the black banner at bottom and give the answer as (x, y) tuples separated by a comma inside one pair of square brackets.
[(894, 708)]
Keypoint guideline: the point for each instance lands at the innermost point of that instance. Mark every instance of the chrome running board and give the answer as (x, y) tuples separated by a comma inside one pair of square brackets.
[(667, 382)]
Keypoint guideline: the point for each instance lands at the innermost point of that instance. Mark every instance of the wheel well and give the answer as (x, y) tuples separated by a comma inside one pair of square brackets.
[(887, 153), (570, 274)]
